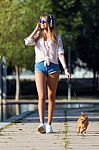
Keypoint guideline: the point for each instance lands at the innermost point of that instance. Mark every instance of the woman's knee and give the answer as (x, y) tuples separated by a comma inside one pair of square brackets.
[(51, 97), (42, 97)]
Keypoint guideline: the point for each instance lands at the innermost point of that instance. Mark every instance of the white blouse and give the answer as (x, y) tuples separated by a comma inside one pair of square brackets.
[(46, 50)]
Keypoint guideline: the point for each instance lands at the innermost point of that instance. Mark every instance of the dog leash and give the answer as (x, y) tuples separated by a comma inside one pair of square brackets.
[(69, 82)]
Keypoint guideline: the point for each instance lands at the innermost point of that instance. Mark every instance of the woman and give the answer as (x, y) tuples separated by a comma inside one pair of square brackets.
[(48, 48)]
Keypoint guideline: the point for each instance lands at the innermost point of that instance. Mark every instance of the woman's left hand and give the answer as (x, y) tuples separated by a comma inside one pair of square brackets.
[(68, 76)]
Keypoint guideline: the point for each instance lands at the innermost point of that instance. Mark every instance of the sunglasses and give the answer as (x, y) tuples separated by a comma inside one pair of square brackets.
[(43, 21)]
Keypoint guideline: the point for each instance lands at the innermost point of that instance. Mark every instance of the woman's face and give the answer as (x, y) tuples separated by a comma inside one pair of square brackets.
[(43, 23)]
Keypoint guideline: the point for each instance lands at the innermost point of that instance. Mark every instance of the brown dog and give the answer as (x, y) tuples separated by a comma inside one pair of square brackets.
[(82, 123)]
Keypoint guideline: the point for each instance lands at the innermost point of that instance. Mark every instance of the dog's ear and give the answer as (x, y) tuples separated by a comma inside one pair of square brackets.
[(86, 117)]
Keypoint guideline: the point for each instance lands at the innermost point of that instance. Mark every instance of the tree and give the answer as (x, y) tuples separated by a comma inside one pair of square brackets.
[(81, 19), (68, 18), (88, 39), (18, 18)]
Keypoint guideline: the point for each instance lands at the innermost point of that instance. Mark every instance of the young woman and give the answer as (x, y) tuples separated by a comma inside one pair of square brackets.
[(48, 49)]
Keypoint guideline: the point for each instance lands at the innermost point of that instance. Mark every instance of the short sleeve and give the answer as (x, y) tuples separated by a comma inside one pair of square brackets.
[(60, 45), (29, 41)]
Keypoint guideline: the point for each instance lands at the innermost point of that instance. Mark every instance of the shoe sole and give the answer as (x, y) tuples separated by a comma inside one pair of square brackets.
[(41, 130), (49, 132)]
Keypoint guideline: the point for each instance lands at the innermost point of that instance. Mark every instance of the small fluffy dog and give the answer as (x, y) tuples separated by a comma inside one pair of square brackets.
[(82, 123)]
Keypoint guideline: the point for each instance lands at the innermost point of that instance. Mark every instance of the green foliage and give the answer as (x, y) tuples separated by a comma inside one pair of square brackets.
[(67, 14), (88, 40), (81, 19), (18, 19)]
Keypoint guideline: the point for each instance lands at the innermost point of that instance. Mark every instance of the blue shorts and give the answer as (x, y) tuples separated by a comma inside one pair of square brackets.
[(52, 68)]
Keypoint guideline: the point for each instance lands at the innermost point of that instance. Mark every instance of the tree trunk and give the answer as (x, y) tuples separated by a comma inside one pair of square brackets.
[(17, 95)]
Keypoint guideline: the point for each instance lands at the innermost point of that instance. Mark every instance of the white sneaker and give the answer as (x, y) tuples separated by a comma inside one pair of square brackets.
[(49, 128), (42, 128)]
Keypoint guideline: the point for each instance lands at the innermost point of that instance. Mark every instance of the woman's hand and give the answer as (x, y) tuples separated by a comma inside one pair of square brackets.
[(68, 76), (35, 32), (38, 28)]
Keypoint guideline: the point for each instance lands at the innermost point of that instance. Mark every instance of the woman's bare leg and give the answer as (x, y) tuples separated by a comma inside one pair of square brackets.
[(52, 86), (40, 79)]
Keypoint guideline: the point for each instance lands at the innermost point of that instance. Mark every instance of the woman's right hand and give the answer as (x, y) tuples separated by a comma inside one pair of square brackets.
[(38, 28)]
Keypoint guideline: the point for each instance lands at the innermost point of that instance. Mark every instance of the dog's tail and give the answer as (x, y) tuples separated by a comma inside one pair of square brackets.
[(82, 113)]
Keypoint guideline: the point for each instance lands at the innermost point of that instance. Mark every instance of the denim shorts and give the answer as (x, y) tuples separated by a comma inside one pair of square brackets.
[(52, 68)]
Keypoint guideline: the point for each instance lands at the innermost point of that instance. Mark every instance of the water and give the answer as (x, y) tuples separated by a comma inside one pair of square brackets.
[(73, 111), (70, 109), (18, 109)]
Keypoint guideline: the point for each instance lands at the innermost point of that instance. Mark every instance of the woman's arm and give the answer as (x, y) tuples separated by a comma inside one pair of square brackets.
[(35, 32), (63, 62), (30, 40), (61, 57)]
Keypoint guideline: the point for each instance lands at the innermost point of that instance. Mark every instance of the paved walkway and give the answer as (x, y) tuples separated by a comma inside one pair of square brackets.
[(23, 135), (89, 141)]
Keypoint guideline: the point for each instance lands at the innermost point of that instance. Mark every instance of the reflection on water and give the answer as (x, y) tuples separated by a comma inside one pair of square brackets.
[(18, 109), (72, 111), (88, 107)]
